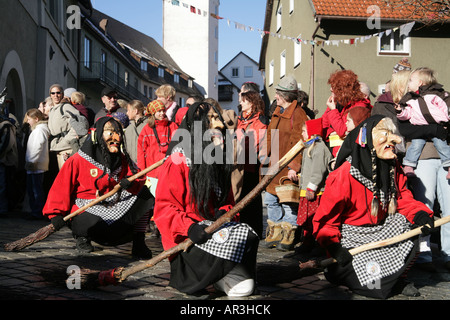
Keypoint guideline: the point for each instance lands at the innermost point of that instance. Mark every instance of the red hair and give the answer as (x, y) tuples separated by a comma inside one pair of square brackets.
[(345, 86)]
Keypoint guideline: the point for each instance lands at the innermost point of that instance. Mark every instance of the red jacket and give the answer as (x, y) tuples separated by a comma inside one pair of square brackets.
[(251, 129), (76, 180), (174, 212), (334, 121), (347, 201), (149, 151)]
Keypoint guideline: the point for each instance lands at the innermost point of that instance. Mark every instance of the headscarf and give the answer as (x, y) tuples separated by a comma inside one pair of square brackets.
[(95, 147), (376, 174)]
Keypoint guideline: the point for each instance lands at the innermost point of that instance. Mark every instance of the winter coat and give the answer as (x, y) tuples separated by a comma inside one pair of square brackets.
[(347, 201), (149, 150), (37, 153), (335, 120), (283, 132), (174, 211), (63, 134), (131, 137)]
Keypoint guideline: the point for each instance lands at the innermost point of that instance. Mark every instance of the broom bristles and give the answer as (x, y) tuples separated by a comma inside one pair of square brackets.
[(39, 235), (93, 278)]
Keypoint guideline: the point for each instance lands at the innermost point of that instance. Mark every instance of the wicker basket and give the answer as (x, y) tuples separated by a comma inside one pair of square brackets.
[(288, 192)]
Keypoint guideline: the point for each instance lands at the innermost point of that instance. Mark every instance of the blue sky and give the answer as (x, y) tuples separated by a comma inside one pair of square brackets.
[(146, 17)]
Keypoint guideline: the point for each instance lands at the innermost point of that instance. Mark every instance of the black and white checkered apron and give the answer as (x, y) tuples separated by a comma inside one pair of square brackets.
[(378, 263), (228, 242)]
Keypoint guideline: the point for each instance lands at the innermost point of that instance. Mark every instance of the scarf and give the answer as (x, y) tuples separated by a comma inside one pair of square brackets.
[(375, 174)]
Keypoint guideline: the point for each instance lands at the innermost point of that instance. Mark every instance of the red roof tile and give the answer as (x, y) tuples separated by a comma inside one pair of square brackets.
[(360, 9)]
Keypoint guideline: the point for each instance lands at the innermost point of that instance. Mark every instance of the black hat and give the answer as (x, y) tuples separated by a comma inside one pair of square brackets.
[(108, 90)]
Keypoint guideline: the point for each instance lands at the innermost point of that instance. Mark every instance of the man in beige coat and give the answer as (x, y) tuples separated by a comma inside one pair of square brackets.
[(61, 119)]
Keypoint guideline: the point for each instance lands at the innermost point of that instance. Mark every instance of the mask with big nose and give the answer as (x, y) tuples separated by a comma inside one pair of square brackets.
[(384, 140)]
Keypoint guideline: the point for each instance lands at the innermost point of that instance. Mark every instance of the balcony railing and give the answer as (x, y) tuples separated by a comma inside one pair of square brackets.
[(99, 72)]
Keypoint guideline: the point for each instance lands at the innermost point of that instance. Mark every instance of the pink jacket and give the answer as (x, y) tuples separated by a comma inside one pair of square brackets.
[(438, 110)]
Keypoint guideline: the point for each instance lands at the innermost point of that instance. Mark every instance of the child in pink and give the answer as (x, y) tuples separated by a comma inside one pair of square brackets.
[(425, 106)]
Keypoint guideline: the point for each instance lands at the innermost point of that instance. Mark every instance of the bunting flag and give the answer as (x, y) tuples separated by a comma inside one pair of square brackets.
[(405, 29)]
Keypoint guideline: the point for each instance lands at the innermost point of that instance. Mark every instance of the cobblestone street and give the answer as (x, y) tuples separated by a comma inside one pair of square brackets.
[(39, 273)]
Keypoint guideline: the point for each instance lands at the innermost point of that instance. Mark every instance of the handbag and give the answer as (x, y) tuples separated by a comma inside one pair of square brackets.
[(287, 192)]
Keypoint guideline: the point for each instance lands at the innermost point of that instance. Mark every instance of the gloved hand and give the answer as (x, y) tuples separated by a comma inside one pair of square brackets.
[(125, 183), (341, 254), (421, 219), (197, 233), (58, 222)]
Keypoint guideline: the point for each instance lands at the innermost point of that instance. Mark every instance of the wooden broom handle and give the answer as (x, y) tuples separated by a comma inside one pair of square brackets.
[(114, 190), (387, 242), (124, 273)]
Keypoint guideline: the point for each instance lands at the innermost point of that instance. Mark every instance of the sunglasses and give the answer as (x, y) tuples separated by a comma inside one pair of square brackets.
[(57, 92)]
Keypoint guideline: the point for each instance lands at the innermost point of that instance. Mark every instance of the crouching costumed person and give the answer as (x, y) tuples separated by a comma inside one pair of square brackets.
[(194, 189), (366, 200), (100, 164)]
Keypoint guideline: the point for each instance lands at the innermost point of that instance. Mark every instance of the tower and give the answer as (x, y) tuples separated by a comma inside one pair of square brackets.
[(191, 37)]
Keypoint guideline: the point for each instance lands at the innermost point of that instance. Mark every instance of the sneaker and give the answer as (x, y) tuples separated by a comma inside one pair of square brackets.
[(409, 171)]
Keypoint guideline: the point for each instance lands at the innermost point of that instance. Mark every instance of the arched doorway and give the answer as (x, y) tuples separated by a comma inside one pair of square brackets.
[(12, 78)]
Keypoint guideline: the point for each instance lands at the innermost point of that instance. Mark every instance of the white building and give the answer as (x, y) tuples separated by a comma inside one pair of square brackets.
[(191, 37), (233, 75)]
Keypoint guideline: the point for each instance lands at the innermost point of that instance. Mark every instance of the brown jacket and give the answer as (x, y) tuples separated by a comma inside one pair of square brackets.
[(284, 131)]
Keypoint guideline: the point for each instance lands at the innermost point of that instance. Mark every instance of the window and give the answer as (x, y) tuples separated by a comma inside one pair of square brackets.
[(297, 53), (271, 72), (87, 52), (103, 65), (176, 78), (394, 44), (248, 72), (190, 83), (216, 57), (279, 11), (116, 72), (283, 64), (235, 72), (161, 72), (144, 65)]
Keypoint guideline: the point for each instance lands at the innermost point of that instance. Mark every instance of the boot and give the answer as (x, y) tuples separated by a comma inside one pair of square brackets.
[(273, 234), (140, 249), (84, 245), (289, 237)]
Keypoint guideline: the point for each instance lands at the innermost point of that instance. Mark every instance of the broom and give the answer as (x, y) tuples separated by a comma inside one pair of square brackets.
[(48, 230), (373, 245), (115, 276)]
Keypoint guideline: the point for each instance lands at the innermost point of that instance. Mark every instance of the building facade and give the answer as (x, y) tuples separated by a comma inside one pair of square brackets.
[(191, 38)]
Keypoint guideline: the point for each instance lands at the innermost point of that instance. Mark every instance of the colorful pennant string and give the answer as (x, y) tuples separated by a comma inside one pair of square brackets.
[(405, 29)]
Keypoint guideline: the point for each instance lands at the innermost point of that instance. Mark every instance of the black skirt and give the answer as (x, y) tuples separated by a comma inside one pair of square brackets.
[(196, 269)]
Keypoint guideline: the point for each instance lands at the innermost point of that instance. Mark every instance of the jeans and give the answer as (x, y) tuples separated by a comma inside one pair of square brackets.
[(415, 149), (36, 195), (280, 212), (431, 181)]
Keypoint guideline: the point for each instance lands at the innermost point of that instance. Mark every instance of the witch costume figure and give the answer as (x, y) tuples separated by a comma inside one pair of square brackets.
[(194, 189), (100, 164), (366, 200)]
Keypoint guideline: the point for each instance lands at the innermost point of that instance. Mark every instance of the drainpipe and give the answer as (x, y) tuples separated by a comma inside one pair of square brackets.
[(311, 95)]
